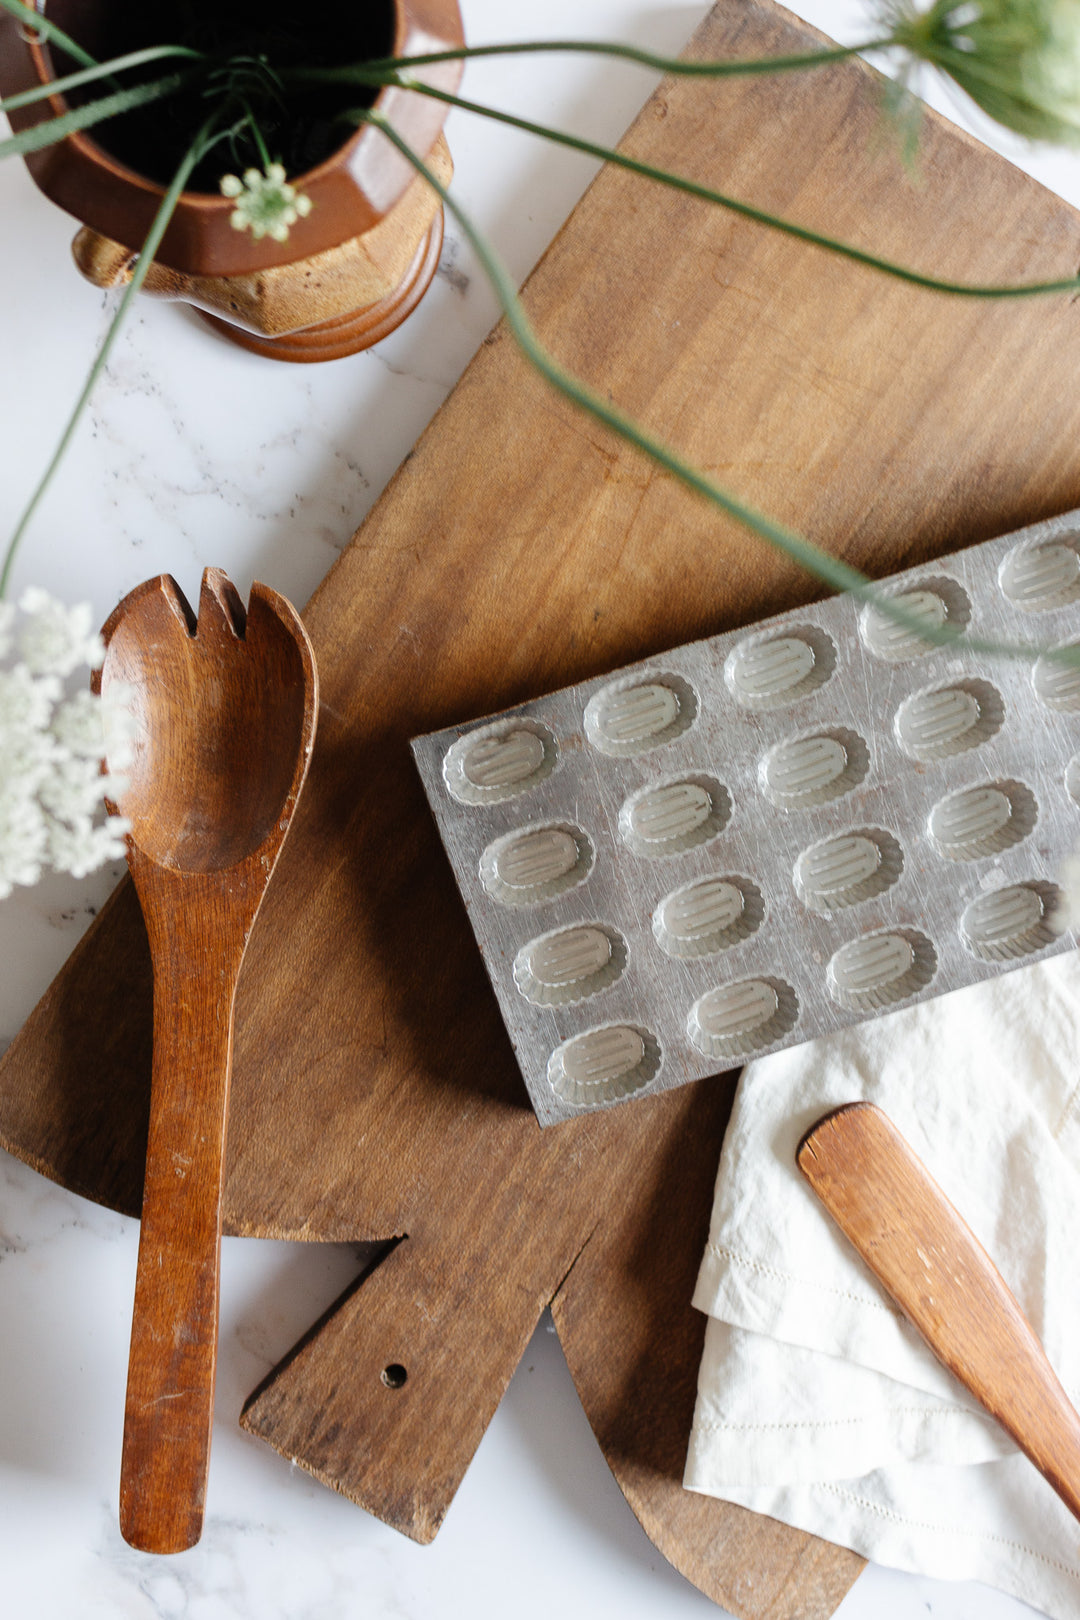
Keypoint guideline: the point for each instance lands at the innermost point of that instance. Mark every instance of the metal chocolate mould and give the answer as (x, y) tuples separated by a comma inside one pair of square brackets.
[(758, 839)]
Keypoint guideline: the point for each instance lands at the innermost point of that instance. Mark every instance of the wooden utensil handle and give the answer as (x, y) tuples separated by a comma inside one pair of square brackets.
[(927, 1258), (170, 1390)]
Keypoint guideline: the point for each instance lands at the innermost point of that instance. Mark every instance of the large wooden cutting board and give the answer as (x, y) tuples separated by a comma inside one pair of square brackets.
[(518, 549)]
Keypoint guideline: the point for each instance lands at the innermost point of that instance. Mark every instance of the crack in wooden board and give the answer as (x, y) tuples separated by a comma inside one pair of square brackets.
[(520, 548)]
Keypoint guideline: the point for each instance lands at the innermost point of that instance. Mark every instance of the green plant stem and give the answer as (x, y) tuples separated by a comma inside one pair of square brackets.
[(88, 75), (48, 30), (839, 575), (257, 136), (199, 146), (94, 112), (801, 233), (383, 71)]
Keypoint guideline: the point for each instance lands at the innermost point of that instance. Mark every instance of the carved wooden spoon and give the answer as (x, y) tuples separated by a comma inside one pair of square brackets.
[(225, 716), (927, 1258)]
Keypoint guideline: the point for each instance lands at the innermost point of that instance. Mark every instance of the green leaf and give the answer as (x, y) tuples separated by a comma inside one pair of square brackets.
[(380, 71), (55, 129), (89, 75), (48, 30), (801, 233)]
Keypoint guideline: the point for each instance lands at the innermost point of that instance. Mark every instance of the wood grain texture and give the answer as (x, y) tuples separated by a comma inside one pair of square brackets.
[(929, 1261), (519, 548), (224, 715)]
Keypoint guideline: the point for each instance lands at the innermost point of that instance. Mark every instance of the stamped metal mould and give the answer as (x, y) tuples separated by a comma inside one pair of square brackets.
[(499, 761), (740, 1018), (802, 772), (978, 821), (569, 964), (603, 1065), (1056, 678), (770, 835), (1041, 575), (770, 671), (630, 717), (533, 864), (846, 868), (943, 721), (670, 817), (881, 969), (1016, 920), (934, 605), (1072, 778), (707, 915)]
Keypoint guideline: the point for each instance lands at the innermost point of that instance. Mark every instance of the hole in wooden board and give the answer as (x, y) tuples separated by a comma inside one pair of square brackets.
[(395, 1375)]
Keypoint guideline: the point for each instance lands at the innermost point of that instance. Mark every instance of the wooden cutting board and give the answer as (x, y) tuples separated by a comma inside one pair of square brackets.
[(520, 548)]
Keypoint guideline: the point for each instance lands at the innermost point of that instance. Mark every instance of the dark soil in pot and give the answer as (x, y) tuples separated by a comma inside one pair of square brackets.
[(301, 127)]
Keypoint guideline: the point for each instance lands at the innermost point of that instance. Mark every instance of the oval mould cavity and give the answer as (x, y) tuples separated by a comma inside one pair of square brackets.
[(1039, 576), (499, 761), (977, 821), (771, 671), (880, 969), (570, 964), (742, 1017), (1003, 924), (946, 720), (846, 868), (533, 864), (1072, 778), (1056, 682), (604, 1064), (629, 717), (802, 772), (707, 915), (939, 603), (674, 815)]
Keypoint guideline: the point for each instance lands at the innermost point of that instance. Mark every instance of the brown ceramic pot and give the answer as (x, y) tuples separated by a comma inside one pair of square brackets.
[(349, 272)]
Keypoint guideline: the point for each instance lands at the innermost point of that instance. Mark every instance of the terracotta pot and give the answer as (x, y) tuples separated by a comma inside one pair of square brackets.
[(350, 271)]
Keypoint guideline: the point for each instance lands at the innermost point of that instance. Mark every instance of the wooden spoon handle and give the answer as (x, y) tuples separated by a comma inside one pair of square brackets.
[(170, 1390), (927, 1258)]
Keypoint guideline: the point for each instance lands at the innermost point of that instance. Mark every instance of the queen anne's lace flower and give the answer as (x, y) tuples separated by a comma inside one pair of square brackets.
[(266, 204), (52, 789), (1019, 60), (54, 639)]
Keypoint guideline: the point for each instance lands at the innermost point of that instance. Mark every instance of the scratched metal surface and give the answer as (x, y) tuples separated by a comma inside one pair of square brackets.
[(763, 837)]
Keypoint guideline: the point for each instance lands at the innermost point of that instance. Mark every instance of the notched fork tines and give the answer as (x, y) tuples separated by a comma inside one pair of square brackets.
[(221, 607), (175, 599)]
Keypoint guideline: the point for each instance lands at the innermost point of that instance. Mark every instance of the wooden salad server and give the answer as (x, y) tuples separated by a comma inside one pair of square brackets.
[(929, 1261), (224, 713)]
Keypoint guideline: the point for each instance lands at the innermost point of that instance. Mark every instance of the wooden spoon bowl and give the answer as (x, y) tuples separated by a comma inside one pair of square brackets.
[(224, 714), (221, 709)]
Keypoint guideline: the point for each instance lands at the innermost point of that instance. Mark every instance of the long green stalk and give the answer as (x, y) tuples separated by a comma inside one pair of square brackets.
[(203, 140), (839, 575), (48, 30), (55, 129), (89, 75), (380, 70), (608, 154)]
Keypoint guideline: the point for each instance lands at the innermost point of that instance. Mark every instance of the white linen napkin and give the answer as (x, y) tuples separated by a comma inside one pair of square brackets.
[(817, 1403)]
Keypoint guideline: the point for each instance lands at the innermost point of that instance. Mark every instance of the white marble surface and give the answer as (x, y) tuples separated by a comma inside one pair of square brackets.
[(195, 452)]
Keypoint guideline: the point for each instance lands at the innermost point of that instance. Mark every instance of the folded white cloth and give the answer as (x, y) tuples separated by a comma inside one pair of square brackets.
[(817, 1403)]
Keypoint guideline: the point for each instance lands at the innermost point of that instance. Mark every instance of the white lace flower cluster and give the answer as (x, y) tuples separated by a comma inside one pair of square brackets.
[(266, 205), (52, 742)]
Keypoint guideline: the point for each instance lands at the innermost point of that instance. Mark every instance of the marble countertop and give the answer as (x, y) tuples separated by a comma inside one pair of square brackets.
[(196, 452)]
